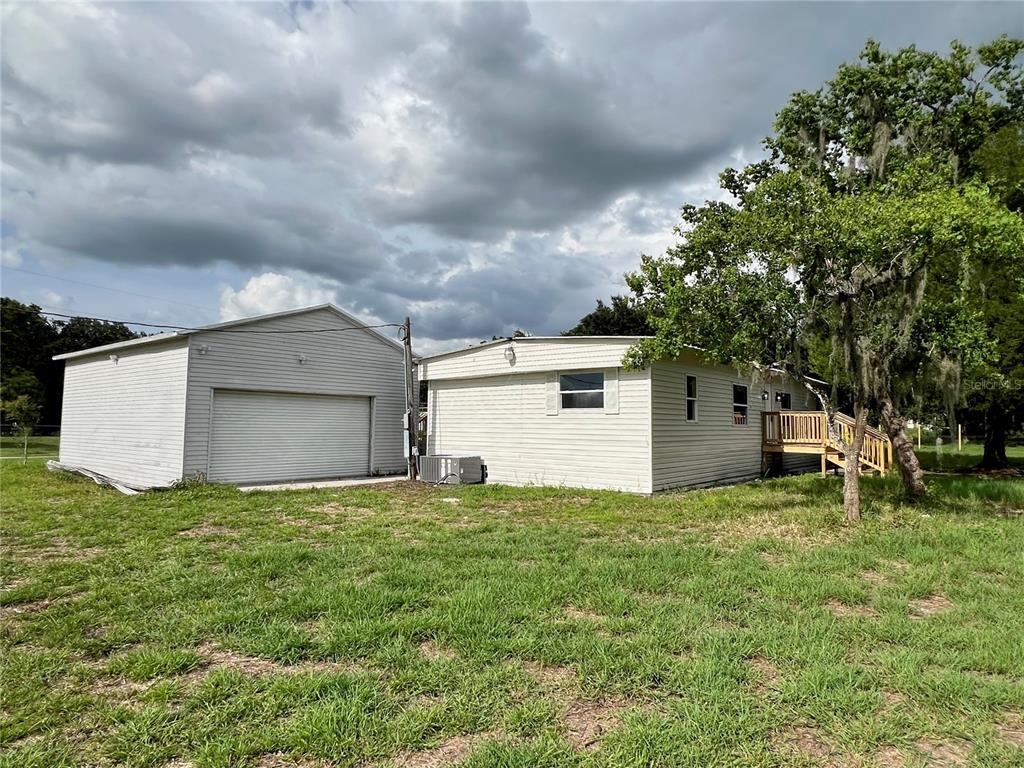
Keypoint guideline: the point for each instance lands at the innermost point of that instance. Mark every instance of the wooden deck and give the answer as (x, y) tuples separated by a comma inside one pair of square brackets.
[(806, 432)]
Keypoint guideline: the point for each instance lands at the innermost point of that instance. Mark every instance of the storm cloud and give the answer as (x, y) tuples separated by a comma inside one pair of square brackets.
[(483, 167)]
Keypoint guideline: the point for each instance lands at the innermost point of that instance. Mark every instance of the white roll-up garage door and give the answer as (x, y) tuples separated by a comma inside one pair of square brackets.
[(271, 436)]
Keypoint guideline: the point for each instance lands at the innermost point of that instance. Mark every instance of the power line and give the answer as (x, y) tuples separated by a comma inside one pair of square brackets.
[(108, 288), (215, 330)]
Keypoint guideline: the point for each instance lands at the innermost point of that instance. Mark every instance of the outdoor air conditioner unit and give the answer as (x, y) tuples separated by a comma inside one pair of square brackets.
[(452, 470)]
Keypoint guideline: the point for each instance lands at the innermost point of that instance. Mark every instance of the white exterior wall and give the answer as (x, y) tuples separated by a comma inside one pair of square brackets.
[(713, 450), (347, 363), (126, 419), (505, 420), (481, 404), (532, 355)]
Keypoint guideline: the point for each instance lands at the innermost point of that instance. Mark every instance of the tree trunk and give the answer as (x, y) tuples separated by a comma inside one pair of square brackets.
[(910, 468), (995, 437), (851, 473)]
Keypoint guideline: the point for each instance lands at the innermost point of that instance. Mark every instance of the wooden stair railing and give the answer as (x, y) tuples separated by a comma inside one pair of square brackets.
[(807, 432), (876, 451)]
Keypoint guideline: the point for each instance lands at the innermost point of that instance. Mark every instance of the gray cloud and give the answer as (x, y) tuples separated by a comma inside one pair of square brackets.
[(122, 89), (535, 139), (484, 166)]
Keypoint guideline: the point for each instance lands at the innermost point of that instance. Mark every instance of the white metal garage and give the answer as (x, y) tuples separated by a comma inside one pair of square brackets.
[(309, 393), (269, 436)]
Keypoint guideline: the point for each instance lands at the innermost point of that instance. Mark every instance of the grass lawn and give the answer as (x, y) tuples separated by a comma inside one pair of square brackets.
[(406, 625), (37, 446), (949, 459)]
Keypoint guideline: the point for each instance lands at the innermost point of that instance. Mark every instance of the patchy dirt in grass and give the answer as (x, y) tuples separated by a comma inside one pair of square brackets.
[(119, 689), (207, 529), (1011, 729), (929, 606), (947, 753), (431, 651), (281, 760), (404, 535), (95, 632), (557, 680), (426, 700), (216, 657), (57, 548), (309, 525), (407, 490), (178, 763), (24, 741), (876, 579), (843, 610), (582, 614), (893, 699), (454, 750), (745, 529), (766, 670), (586, 722), (773, 558), (344, 511), (889, 757), (809, 743), (16, 610), (656, 598)]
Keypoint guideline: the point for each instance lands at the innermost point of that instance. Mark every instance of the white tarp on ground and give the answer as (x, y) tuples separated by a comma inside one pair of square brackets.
[(126, 488)]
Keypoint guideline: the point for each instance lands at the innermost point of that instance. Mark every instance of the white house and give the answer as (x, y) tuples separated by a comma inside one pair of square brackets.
[(563, 411), (309, 393)]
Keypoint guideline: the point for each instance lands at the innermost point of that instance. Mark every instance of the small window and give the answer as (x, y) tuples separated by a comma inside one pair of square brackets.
[(785, 401), (581, 390), (739, 404), (691, 398)]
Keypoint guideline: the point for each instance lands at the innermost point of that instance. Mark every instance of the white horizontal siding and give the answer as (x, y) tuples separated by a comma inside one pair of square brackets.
[(567, 353), (713, 450), (126, 419), (352, 362), (504, 420)]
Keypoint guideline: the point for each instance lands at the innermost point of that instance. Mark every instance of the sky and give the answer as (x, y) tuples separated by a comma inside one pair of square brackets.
[(480, 167)]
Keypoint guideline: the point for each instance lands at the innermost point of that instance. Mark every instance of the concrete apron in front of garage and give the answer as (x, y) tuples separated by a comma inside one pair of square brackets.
[(299, 486)]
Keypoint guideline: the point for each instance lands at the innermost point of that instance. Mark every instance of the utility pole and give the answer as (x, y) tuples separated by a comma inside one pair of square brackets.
[(412, 401)]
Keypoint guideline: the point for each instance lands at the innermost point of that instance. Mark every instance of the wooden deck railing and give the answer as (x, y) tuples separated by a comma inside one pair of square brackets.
[(794, 427), (876, 451), (808, 430)]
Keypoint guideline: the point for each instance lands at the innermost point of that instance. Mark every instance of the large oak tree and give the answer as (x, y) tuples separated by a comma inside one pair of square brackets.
[(828, 256)]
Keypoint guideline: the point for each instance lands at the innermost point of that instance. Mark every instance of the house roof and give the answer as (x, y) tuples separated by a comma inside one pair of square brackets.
[(528, 339), (570, 340), (226, 327)]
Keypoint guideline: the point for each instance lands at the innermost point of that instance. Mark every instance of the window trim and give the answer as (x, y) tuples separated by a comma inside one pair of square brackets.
[(603, 390), (745, 406), (687, 399)]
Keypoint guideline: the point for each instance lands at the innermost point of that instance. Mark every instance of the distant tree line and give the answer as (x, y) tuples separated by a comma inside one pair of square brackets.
[(28, 341)]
